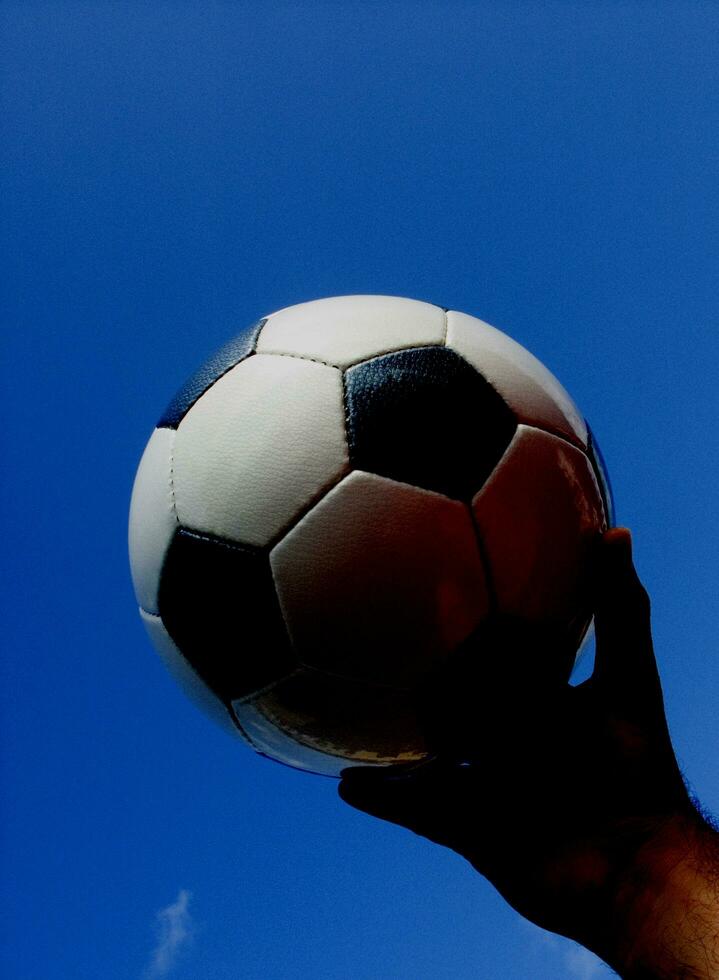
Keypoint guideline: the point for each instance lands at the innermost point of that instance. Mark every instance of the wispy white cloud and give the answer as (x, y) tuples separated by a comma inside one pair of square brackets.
[(174, 930)]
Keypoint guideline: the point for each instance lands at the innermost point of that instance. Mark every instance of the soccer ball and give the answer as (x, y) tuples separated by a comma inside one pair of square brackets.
[(338, 500)]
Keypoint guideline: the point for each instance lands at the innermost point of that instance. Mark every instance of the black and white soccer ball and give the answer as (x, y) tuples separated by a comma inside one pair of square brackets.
[(337, 501)]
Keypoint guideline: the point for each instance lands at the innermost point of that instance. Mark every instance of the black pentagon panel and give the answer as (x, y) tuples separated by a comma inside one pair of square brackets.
[(426, 417), (230, 354), (218, 603), (602, 475)]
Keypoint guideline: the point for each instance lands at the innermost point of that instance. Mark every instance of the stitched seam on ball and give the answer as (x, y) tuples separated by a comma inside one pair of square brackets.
[(492, 599), (562, 436), (300, 357), (415, 346), (310, 504), (223, 542), (344, 395), (172, 478), (266, 689)]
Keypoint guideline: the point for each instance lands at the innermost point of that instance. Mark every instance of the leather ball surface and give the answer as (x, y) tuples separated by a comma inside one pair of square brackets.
[(337, 500)]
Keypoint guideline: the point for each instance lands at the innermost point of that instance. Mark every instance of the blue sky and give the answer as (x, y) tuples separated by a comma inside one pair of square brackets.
[(173, 171)]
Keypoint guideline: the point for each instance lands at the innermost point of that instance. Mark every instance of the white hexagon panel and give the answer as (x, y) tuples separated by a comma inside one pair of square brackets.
[(538, 516), (380, 580), (343, 330), (152, 517), (259, 445)]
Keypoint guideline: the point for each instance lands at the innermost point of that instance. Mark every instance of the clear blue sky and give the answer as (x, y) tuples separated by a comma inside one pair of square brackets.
[(173, 171)]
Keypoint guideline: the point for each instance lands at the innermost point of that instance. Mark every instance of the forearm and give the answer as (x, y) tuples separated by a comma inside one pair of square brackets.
[(667, 925)]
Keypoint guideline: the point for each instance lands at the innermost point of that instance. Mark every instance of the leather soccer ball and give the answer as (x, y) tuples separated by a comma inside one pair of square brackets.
[(338, 500)]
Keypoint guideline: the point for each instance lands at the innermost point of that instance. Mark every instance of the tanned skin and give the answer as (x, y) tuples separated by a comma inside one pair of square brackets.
[(568, 799)]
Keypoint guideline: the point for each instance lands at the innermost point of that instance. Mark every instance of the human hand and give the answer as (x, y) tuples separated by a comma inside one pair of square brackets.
[(568, 799)]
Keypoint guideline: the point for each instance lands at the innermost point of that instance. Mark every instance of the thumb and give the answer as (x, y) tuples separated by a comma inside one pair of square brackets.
[(624, 663), (410, 796), (389, 793)]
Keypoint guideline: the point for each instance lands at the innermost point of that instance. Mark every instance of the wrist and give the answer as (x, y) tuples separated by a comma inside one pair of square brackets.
[(667, 904)]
